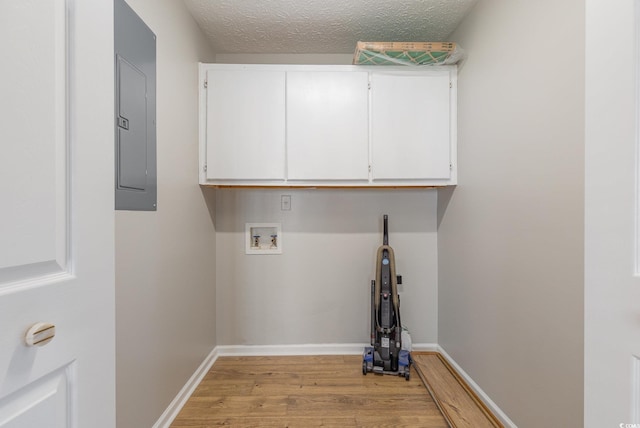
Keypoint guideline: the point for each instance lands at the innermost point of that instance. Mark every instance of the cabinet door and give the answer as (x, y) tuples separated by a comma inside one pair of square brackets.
[(410, 130), (327, 125), (245, 124)]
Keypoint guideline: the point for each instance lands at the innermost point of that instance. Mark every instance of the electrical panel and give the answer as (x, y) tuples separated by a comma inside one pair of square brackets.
[(135, 115)]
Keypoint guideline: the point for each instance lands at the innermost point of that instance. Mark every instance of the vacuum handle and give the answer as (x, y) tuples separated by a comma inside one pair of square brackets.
[(385, 235)]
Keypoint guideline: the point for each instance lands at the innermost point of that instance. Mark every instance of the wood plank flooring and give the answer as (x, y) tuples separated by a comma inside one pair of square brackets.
[(459, 404), (306, 391)]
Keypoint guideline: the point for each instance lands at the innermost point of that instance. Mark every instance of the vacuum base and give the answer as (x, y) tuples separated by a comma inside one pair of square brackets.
[(372, 363)]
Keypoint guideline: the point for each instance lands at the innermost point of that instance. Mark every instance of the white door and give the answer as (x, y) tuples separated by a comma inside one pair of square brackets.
[(612, 216), (56, 216)]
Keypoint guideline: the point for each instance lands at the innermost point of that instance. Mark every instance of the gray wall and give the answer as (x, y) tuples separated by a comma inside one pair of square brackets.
[(318, 290), (511, 238), (165, 278)]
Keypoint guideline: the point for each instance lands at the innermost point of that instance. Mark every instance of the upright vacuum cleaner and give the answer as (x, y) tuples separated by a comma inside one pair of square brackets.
[(385, 355)]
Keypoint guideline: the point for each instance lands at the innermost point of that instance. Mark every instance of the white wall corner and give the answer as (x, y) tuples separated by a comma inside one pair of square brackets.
[(502, 416), (180, 400)]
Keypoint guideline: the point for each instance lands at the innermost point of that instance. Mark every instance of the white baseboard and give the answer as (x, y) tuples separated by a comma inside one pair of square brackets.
[(308, 349), (180, 400), (498, 413), (425, 347)]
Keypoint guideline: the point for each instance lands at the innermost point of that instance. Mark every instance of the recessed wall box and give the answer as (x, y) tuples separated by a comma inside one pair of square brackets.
[(263, 238), (135, 111)]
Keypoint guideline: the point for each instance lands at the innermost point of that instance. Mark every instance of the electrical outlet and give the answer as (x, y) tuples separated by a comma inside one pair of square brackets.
[(285, 203)]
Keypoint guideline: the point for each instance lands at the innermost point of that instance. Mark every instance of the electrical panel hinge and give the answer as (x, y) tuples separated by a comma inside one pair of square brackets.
[(450, 85), (204, 168), (206, 84)]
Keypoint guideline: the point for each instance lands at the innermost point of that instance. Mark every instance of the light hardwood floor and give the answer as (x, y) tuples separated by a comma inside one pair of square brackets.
[(460, 406), (306, 391)]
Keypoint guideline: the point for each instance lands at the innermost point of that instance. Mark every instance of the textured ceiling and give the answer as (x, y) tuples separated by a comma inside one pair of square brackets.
[(322, 26)]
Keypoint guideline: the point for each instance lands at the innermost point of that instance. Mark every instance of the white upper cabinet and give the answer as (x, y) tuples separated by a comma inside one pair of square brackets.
[(410, 126), (327, 125), (324, 125), (245, 132)]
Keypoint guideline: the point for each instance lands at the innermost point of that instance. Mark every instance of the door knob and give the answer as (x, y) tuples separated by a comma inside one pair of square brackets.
[(40, 334)]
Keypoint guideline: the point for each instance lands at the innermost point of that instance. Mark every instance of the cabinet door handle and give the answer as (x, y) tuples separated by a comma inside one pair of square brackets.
[(40, 334)]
